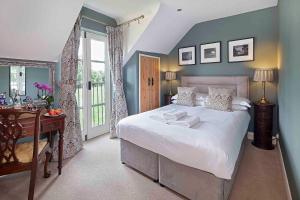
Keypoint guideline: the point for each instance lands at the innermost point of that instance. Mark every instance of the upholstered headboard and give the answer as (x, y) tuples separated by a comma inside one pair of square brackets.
[(239, 83)]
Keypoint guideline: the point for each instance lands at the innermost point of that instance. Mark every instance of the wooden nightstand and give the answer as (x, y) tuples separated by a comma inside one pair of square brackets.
[(263, 126), (168, 99)]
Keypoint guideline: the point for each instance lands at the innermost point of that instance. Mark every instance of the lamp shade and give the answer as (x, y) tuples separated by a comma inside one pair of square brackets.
[(170, 76), (264, 75)]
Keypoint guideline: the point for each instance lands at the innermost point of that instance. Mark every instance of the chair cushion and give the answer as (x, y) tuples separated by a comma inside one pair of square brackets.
[(24, 151)]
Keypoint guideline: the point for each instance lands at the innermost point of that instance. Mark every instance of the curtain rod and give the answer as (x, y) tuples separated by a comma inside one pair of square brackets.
[(132, 20), (122, 24)]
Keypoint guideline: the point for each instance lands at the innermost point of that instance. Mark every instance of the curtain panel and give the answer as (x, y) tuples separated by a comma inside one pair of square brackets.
[(69, 64), (119, 106)]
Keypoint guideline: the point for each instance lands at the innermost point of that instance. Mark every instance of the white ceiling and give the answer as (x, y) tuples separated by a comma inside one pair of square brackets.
[(36, 30), (119, 9), (169, 26), (205, 10), (196, 10)]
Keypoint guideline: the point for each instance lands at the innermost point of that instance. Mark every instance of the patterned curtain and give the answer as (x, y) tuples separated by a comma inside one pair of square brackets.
[(69, 63), (119, 106)]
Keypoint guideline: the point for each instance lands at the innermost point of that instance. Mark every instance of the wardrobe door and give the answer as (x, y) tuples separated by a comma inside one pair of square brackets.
[(145, 82), (149, 83), (155, 84)]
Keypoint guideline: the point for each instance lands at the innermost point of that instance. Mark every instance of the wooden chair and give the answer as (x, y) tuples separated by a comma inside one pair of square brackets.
[(15, 156)]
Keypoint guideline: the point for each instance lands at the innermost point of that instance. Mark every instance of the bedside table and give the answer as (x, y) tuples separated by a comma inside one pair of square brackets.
[(168, 99), (263, 126)]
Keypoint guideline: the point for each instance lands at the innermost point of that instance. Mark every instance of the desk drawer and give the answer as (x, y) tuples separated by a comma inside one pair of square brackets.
[(48, 127)]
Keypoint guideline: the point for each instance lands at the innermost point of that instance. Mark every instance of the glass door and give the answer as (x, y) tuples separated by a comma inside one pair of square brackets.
[(93, 88)]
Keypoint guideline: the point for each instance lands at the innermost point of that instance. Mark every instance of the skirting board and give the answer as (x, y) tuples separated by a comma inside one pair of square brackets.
[(250, 136)]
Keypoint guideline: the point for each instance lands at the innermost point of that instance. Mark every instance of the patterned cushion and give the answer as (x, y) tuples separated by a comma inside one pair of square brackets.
[(186, 96), (220, 99)]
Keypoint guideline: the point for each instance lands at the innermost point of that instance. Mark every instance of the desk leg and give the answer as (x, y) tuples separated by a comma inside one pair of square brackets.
[(60, 150)]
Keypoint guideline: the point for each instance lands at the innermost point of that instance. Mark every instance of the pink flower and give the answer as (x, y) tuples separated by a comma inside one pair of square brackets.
[(42, 86), (37, 85)]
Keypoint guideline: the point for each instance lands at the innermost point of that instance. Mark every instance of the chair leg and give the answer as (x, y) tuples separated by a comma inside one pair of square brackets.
[(46, 172), (32, 180)]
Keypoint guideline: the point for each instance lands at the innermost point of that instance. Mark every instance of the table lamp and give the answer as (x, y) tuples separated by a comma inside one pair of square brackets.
[(170, 76), (263, 75)]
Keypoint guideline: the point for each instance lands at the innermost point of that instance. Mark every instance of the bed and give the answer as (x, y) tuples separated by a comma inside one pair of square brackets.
[(199, 163)]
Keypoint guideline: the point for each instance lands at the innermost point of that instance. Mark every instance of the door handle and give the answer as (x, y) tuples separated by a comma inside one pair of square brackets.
[(152, 81), (89, 85)]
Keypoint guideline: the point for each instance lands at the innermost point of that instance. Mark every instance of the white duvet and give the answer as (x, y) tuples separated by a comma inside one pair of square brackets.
[(212, 145)]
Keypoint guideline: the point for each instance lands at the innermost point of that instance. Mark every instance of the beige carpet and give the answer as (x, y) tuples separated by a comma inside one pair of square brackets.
[(96, 173)]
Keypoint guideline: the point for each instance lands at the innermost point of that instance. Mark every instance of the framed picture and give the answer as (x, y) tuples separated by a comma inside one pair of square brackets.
[(210, 53), (187, 55), (241, 50)]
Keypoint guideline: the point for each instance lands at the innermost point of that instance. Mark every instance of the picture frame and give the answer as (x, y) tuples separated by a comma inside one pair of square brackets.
[(241, 50), (187, 56), (211, 53)]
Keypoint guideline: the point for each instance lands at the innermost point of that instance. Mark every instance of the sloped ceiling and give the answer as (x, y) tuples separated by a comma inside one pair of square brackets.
[(119, 9), (168, 26), (36, 29)]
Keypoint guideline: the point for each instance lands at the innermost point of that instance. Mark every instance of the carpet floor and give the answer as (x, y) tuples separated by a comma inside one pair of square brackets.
[(96, 173)]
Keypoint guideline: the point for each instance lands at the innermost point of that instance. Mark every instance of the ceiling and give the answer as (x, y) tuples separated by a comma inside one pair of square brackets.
[(205, 10), (196, 10), (119, 9), (168, 26), (36, 30)]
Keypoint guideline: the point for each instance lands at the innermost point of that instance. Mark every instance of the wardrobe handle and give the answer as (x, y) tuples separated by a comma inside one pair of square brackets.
[(152, 81), (149, 82)]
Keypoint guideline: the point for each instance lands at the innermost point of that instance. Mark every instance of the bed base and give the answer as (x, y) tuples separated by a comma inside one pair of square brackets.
[(141, 159), (191, 183)]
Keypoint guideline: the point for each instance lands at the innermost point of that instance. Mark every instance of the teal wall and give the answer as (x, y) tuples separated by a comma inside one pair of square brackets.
[(262, 24), (131, 80), (95, 16), (289, 89), (40, 75), (32, 75)]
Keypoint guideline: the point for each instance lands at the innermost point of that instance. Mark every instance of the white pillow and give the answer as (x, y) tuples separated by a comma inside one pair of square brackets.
[(199, 96), (239, 108), (241, 101), (174, 97), (197, 103)]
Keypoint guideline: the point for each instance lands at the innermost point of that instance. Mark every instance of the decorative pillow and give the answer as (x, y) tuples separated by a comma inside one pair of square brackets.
[(186, 96), (220, 99)]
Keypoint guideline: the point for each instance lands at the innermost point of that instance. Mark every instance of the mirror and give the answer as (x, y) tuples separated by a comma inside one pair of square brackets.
[(20, 75)]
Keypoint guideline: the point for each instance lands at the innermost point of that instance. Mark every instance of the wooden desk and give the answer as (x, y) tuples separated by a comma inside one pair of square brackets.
[(49, 125)]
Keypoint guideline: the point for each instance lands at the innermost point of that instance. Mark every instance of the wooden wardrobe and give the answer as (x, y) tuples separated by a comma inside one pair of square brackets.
[(149, 82)]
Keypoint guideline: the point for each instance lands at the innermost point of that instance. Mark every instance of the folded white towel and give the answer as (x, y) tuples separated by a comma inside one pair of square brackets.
[(187, 121), (174, 115)]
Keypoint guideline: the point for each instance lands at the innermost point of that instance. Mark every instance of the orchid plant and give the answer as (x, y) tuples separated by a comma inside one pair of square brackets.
[(44, 92)]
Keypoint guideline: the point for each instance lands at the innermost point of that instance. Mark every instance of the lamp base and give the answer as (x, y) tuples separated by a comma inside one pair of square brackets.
[(263, 100)]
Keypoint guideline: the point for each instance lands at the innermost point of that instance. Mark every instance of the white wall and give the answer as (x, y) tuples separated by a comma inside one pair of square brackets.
[(133, 32)]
